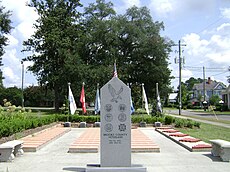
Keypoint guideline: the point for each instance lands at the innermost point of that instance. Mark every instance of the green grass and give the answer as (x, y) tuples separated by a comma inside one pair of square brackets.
[(211, 112), (208, 119), (208, 132)]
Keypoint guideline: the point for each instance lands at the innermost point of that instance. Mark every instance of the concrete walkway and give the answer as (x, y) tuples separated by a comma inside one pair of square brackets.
[(172, 157)]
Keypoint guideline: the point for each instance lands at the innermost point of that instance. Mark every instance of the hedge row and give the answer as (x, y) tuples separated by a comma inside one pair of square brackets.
[(11, 123), (167, 120), (14, 124)]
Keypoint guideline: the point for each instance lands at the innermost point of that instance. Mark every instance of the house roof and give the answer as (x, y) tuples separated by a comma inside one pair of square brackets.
[(227, 91), (172, 97), (213, 85)]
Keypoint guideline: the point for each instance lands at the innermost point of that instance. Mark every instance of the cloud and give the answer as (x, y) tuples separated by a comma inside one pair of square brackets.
[(22, 19), (22, 22), (186, 74), (176, 9), (11, 59), (130, 3), (20, 10), (12, 41), (162, 8), (11, 78), (25, 29), (215, 49), (225, 12), (125, 4), (195, 46)]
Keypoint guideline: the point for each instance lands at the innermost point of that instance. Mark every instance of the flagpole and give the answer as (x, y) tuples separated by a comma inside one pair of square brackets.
[(157, 97), (68, 103), (142, 85)]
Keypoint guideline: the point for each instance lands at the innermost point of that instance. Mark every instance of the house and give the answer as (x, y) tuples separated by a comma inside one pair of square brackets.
[(211, 88), (226, 97), (172, 98)]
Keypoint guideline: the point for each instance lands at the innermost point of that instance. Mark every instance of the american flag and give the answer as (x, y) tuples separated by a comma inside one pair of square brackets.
[(115, 70)]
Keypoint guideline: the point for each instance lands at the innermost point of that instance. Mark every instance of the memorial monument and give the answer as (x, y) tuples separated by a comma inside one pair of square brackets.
[(115, 144)]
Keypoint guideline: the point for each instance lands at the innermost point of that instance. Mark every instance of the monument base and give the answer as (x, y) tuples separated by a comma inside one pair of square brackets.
[(97, 168)]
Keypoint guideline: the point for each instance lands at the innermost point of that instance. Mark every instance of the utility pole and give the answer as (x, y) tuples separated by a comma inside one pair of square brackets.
[(22, 83), (180, 67), (204, 83)]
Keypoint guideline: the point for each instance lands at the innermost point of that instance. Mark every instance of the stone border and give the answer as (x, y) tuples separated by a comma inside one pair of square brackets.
[(190, 143)]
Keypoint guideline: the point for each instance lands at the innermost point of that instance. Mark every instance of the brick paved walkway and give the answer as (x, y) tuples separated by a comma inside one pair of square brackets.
[(34, 142), (89, 141)]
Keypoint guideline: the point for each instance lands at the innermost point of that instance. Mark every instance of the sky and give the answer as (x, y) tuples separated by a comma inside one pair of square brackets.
[(202, 26)]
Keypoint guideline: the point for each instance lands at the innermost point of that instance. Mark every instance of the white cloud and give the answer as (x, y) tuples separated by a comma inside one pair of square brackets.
[(225, 12), (215, 49), (20, 10), (22, 19), (162, 8), (11, 78), (10, 58), (130, 3), (224, 29), (12, 41), (186, 74), (195, 46), (25, 29)]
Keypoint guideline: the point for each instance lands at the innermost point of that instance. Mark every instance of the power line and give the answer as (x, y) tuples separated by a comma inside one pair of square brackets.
[(211, 24), (208, 69)]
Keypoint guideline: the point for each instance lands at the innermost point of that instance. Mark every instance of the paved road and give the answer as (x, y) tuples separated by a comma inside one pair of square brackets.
[(189, 114)]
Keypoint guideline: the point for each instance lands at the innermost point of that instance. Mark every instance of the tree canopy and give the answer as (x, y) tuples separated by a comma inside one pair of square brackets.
[(53, 42), (76, 47), (5, 27)]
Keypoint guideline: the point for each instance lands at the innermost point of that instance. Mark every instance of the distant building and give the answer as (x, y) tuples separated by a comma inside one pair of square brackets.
[(211, 88), (226, 97), (172, 97)]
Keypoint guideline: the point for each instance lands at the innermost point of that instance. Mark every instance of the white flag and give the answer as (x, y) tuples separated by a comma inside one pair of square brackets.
[(144, 99), (159, 108), (97, 102), (72, 104)]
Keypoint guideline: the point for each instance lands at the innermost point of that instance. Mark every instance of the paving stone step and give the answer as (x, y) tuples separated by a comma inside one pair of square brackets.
[(89, 141)]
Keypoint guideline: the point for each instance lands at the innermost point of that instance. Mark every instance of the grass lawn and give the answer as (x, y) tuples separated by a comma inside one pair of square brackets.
[(208, 132), (211, 112), (208, 119)]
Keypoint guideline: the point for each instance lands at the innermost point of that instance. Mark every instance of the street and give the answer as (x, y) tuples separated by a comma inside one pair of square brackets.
[(190, 114)]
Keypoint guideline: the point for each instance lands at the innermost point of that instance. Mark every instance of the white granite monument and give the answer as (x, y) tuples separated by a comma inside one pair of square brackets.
[(115, 148), (116, 124)]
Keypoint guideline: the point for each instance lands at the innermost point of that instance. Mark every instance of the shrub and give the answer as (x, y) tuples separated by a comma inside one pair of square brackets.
[(189, 123), (179, 123), (197, 124), (168, 120)]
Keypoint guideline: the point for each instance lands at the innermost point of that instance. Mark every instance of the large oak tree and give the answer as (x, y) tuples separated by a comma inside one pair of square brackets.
[(53, 43), (73, 47), (5, 27)]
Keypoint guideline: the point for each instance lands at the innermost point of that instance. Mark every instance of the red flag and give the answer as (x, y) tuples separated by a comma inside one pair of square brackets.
[(82, 99)]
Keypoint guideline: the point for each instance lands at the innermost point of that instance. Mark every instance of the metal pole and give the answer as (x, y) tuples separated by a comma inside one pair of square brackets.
[(22, 83), (179, 78), (204, 83)]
